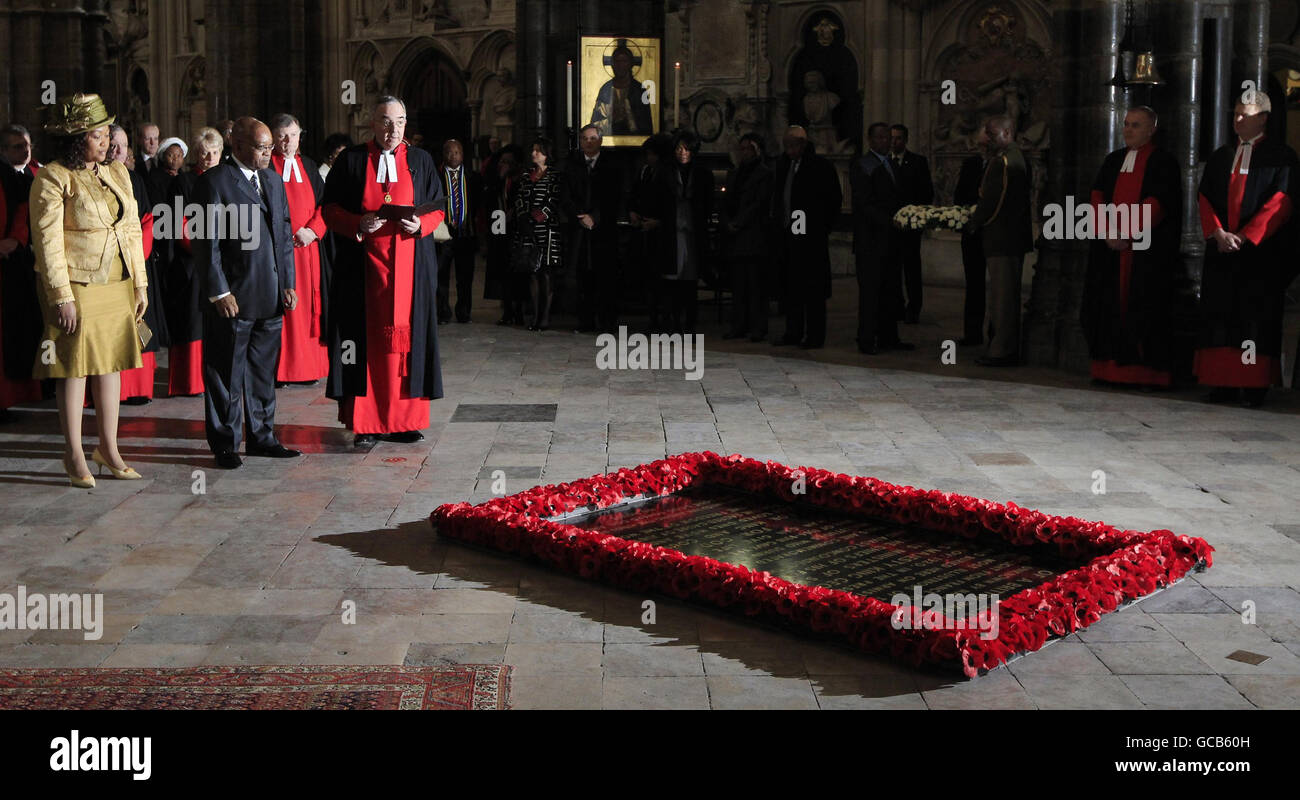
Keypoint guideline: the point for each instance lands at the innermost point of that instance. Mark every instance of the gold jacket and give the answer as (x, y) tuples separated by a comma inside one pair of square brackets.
[(74, 236)]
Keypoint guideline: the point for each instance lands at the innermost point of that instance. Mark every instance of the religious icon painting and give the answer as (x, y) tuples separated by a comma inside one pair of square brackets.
[(620, 88)]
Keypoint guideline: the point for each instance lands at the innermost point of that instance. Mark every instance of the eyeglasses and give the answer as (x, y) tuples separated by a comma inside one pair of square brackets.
[(264, 148)]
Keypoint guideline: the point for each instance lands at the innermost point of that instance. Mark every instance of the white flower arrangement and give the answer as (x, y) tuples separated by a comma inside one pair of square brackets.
[(942, 218)]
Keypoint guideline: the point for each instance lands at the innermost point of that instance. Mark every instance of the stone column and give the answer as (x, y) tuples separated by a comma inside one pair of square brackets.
[(532, 74), (54, 40), (1250, 45), (256, 57), (1084, 128)]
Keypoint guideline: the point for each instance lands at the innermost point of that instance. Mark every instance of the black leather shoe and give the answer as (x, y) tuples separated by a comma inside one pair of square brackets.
[(1223, 394), (138, 400), (403, 437), (810, 345), (228, 459), (461, 320), (365, 440), (276, 450), (996, 361), (900, 346), (443, 320), (784, 342)]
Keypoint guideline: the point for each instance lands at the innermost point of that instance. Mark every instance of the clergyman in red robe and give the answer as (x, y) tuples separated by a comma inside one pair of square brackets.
[(383, 199), (304, 357)]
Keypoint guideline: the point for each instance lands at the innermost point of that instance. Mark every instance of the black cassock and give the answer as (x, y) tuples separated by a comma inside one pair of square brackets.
[(1242, 292), (153, 314), (1138, 335), (344, 187), (23, 325)]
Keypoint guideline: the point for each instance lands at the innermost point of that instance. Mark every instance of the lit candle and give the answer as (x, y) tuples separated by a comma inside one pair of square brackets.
[(677, 92), (568, 93)]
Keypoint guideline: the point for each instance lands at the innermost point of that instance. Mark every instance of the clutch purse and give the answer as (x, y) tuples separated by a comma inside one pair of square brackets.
[(441, 234), (142, 330)]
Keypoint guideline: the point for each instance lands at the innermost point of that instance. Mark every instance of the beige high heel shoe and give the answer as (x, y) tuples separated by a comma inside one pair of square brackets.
[(87, 482), (126, 474)]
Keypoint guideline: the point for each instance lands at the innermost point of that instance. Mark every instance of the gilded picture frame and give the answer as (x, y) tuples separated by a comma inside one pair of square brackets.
[(626, 114)]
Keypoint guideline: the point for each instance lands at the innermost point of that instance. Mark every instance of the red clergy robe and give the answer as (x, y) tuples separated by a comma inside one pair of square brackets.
[(303, 354), (1239, 299), (13, 392), (1128, 191), (138, 382), (387, 405)]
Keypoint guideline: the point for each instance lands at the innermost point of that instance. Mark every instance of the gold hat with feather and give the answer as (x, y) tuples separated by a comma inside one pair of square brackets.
[(77, 114)]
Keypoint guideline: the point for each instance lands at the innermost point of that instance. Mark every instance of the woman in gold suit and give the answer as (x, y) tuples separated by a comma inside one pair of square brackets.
[(85, 232)]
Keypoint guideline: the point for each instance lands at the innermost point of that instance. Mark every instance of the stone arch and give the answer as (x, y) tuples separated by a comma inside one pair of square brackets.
[(432, 81), (412, 56), (491, 86), (371, 76), (949, 23)]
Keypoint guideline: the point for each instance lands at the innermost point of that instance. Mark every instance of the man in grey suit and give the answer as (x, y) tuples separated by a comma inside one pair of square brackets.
[(247, 277), (1003, 219)]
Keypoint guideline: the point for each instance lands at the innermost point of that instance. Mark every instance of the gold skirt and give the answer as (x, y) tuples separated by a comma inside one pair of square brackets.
[(106, 340)]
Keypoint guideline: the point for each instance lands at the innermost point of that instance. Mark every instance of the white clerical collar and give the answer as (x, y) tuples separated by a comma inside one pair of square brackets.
[(291, 170), (1244, 148), (387, 171), (248, 171)]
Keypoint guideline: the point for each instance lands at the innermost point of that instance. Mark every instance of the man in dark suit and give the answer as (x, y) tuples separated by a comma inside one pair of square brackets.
[(748, 195), (16, 149), (877, 196), (247, 274), (806, 200), (916, 188), (1003, 219), (593, 200), (967, 193), (147, 139), (464, 190)]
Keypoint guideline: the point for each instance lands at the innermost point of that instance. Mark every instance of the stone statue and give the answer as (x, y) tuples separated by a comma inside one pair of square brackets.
[(825, 53), (819, 103)]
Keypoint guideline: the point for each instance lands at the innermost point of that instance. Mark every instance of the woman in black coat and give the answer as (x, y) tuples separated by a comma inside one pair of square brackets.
[(687, 188)]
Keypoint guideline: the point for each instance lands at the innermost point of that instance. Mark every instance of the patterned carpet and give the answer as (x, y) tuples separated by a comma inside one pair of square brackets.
[(462, 687)]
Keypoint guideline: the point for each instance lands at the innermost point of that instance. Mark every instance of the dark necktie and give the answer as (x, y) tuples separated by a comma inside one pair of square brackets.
[(457, 202)]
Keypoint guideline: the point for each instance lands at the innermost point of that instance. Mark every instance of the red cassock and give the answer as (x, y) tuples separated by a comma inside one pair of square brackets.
[(387, 405), (138, 382), (13, 392), (1128, 192), (303, 354)]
